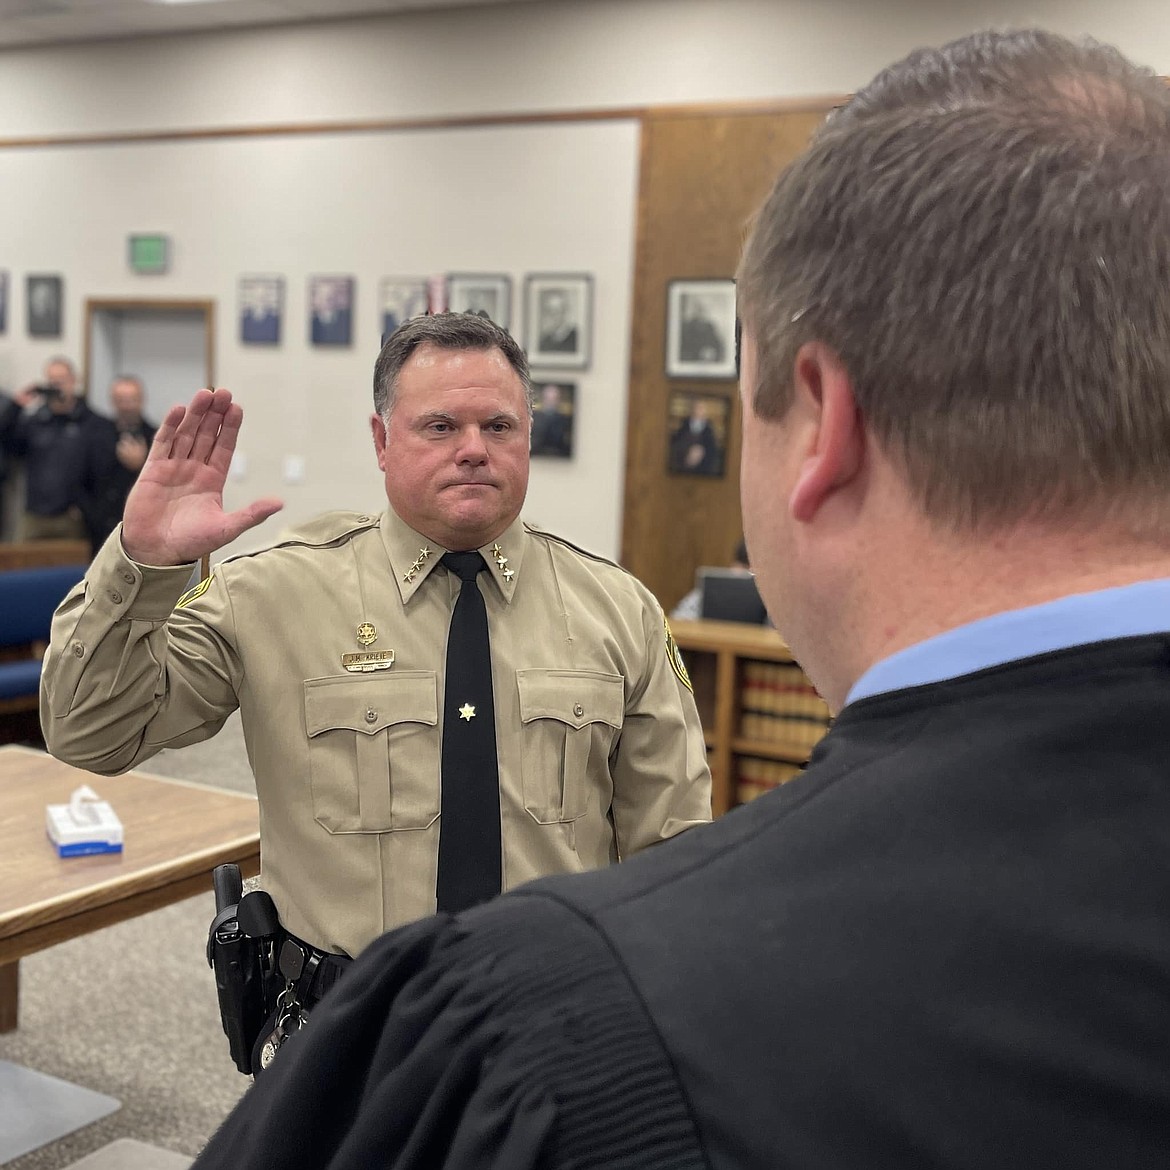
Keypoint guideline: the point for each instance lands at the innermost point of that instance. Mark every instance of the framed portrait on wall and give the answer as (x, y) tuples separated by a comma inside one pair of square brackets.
[(331, 310), (399, 299), (3, 301), (558, 319), (701, 333), (481, 292), (554, 410), (44, 295), (697, 442), (261, 309)]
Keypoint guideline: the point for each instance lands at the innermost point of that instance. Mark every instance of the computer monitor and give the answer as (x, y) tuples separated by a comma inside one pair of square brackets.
[(730, 595)]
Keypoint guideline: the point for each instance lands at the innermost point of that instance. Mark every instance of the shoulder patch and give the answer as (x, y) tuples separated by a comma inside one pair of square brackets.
[(195, 593), (674, 656)]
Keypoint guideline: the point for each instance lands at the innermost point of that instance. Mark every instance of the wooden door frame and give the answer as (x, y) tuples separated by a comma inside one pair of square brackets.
[(156, 305), (152, 305)]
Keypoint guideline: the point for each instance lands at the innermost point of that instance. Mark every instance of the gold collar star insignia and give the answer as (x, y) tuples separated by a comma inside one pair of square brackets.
[(467, 711), (416, 568), (502, 563)]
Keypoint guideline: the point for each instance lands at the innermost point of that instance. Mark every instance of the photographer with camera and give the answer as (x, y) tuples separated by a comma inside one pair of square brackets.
[(67, 450)]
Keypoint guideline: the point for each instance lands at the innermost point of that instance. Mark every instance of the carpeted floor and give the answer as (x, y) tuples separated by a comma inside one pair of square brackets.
[(131, 1010)]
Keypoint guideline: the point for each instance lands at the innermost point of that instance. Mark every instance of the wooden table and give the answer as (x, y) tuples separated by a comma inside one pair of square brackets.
[(175, 834)]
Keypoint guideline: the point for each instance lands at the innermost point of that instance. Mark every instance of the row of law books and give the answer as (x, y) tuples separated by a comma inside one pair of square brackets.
[(778, 704), (754, 777)]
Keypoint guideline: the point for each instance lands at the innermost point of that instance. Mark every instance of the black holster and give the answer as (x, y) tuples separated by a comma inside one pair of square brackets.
[(242, 959)]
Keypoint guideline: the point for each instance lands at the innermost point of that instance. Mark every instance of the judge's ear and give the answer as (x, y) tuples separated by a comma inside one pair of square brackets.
[(833, 455)]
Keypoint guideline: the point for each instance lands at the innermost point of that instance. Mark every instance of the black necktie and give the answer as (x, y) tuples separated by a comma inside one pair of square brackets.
[(469, 827)]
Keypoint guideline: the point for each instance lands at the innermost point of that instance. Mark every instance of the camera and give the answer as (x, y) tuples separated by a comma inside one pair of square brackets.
[(50, 393)]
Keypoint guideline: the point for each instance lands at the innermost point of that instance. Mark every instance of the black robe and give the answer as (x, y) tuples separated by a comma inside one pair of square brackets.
[(946, 944)]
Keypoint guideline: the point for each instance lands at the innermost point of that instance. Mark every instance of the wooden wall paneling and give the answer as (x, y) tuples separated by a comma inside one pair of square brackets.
[(702, 176)]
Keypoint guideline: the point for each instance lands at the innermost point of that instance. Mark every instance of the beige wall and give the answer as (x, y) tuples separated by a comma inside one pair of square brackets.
[(557, 197), (551, 54), (510, 200)]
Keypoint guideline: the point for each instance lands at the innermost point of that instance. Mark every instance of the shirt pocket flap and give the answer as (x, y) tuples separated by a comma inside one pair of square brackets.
[(573, 697), (370, 705)]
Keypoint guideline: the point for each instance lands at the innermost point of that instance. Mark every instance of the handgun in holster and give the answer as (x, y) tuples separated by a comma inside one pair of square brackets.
[(240, 944)]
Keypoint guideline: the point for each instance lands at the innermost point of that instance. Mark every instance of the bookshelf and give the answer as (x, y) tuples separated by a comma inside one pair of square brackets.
[(761, 718)]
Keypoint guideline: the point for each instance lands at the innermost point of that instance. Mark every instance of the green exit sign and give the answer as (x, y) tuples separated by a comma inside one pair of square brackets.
[(150, 254)]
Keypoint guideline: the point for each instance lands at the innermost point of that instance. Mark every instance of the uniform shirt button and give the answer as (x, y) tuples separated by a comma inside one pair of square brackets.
[(128, 577), (371, 715), (78, 649), (363, 519), (578, 710), (115, 597)]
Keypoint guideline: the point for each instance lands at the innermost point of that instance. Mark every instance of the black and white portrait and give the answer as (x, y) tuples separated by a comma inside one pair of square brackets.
[(700, 329), (261, 309), (697, 443), (44, 305), (482, 292), (558, 319), (400, 299), (331, 310), (553, 412)]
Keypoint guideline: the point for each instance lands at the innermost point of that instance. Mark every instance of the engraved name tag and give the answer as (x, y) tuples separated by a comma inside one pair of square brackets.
[(369, 660)]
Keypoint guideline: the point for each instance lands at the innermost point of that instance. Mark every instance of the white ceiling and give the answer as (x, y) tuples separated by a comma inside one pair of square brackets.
[(30, 22)]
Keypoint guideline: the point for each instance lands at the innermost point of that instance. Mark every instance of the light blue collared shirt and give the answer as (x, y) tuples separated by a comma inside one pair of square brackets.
[(1127, 611)]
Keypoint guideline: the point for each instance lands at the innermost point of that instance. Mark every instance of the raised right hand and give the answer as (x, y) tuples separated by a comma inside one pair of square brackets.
[(174, 514)]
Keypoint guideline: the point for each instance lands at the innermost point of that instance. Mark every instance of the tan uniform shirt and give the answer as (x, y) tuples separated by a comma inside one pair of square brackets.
[(600, 748)]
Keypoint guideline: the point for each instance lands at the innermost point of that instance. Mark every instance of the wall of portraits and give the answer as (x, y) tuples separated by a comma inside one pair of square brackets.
[(314, 247), (552, 198)]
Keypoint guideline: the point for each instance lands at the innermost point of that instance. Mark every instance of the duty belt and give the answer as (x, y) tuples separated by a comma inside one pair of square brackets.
[(312, 970), (265, 978), (308, 973)]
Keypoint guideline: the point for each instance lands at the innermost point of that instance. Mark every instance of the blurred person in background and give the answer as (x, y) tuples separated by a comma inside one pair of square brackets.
[(67, 450)]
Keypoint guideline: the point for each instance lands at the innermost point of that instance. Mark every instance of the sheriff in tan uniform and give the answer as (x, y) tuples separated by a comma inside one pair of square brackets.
[(332, 645), (600, 748)]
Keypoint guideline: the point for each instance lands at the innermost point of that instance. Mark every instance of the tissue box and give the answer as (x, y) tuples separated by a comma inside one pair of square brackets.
[(84, 825)]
